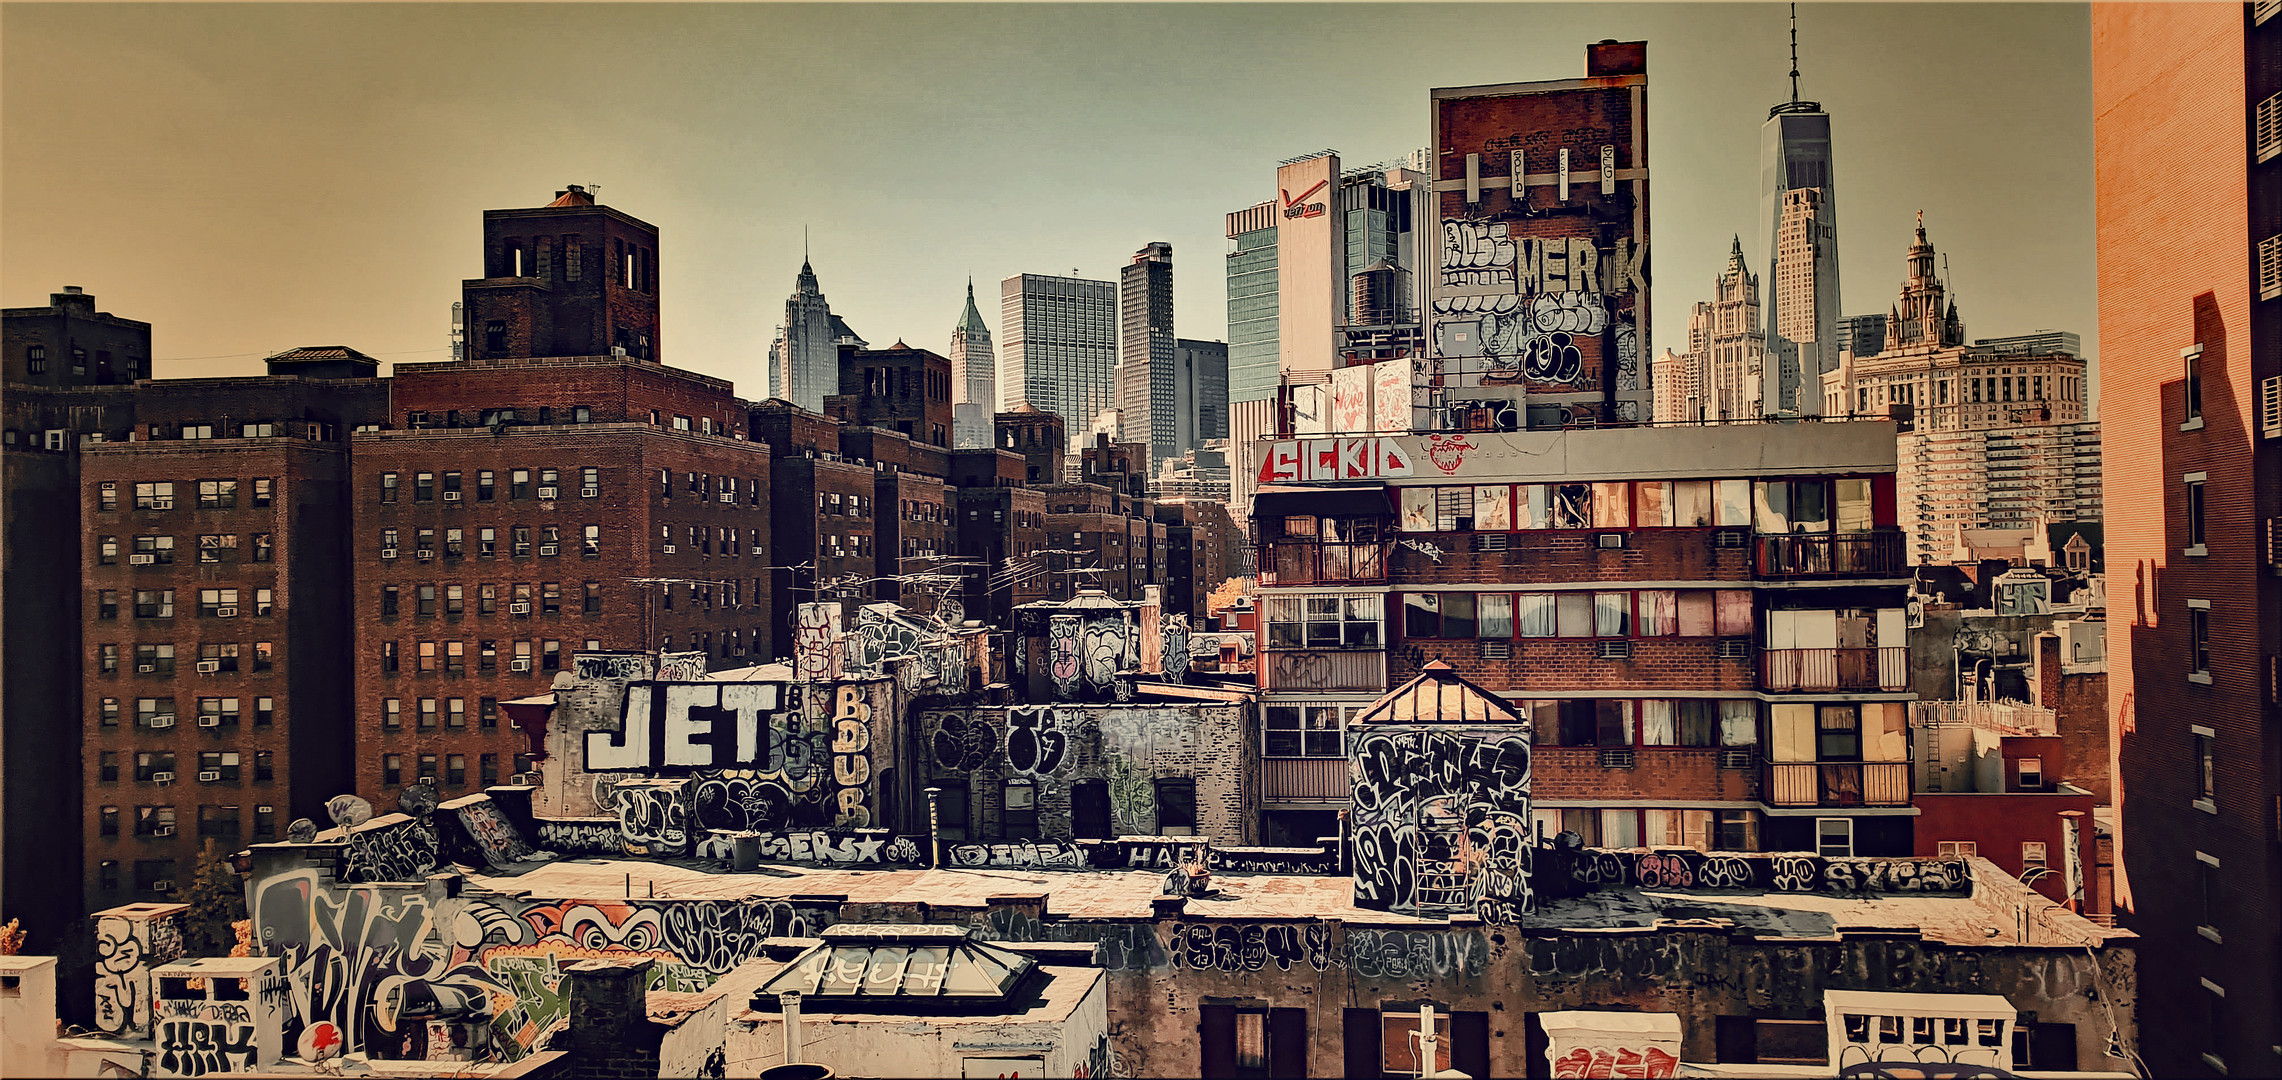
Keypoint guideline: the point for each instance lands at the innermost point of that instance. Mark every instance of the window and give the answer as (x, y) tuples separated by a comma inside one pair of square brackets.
[(483, 486), (487, 709), (519, 484), (217, 494), (1323, 622), (264, 490), (388, 486), (392, 769), (2191, 364), (1956, 849), (222, 763), (36, 359), (455, 770), (2208, 888), (110, 821), (1310, 731), (451, 487), (391, 714), (487, 769), (217, 712), (2032, 856), (521, 535), (110, 712), (423, 487), (149, 765), (1020, 819), (107, 495), (152, 603), (494, 343), (427, 714), (455, 543), (154, 550), (1834, 837), (2206, 766), (223, 655), (265, 712), (551, 656), (388, 657), (218, 603), (218, 548), (107, 767), (2195, 514), (110, 657), (265, 820), (154, 496), (428, 767), (1400, 1044), (487, 655), (2199, 640), (264, 548), (154, 659), (592, 603), (455, 599), (1176, 807), (487, 543), (426, 604), (592, 545), (455, 658)]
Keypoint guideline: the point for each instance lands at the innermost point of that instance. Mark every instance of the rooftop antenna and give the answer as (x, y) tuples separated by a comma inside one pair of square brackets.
[(1794, 53), (594, 191)]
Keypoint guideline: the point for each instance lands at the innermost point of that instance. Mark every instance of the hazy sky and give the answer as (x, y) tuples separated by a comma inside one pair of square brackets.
[(252, 178)]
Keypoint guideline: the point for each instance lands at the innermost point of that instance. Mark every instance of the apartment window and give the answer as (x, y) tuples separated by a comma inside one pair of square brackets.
[(388, 485), (551, 656), (428, 767), (218, 603), (1956, 849), (2207, 889), (522, 595), (494, 343), (592, 603), (149, 765), (220, 762), (1834, 837), (391, 714), (591, 544), (107, 495), (427, 714), (264, 490), (455, 770), (265, 821), (155, 496), (2191, 384), (550, 539), (426, 604), (487, 709), (223, 655), (423, 487), (388, 658), (107, 767), (486, 543), (519, 484), (1020, 821), (218, 548), (150, 603), (2199, 640), (154, 659), (218, 712), (264, 548), (1323, 622), (487, 655), (110, 821), (487, 769), (2195, 533), (154, 550), (455, 543), (1304, 731), (1176, 807), (451, 487), (265, 712), (455, 599), (36, 359), (110, 713), (392, 769), (217, 494), (483, 486), (156, 820), (107, 551), (522, 540), (2206, 766), (455, 658)]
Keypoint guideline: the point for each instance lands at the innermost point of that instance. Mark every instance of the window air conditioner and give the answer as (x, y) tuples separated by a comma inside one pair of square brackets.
[(729, 497), (589, 492), (518, 665), (1608, 540), (208, 776), (1616, 759), (1734, 648), (162, 778), (162, 720), (1730, 538), (1618, 649), (145, 669), (665, 549), (548, 549), (209, 667), (164, 884), (1497, 650), (760, 549), (141, 560), (452, 496), (549, 492), (388, 553), (519, 608), (226, 611), (209, 721), (424, 554), (1737, 759)]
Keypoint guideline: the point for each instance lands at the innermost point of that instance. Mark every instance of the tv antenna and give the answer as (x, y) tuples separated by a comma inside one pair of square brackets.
[(1794, 53)]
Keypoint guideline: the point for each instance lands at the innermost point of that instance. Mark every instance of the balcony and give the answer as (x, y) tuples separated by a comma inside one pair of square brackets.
[(1318, 780), (1838, 783), (1871, 554), (1311, 562), (1324, 669), (1886, 669)]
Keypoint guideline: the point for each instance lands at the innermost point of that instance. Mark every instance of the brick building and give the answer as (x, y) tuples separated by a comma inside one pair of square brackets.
[(2189, 326), (898, 388), (178, 618), (1711, 648), (571, 278)]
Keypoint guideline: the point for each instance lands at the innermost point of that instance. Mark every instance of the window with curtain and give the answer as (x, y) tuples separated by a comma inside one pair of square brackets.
[(1612, 505), (1853, 505), (1534, 614), (1493, 508), (1659, 612), (1572, 506), (1418, 509), (1421, 615), (1690, 505), (1731, 502), (1612, 614), (1494, 615), (1533, 507), (1738, 723), (1654, 507)]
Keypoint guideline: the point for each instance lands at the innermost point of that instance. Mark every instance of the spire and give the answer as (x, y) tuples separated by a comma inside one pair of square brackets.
[(971, 320), (1794, 53)]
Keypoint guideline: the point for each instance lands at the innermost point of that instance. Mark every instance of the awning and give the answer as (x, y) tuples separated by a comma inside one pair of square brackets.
[(1322, 502)]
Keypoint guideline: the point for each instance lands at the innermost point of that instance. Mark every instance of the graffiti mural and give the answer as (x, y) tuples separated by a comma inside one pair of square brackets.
[(1062, 655), (1687, 868), (1176, 648), (1107, 648), (958, 743), (1442, 822), (393, 847), (497, 842), (1035, 741), (820, 848), (127, 947), (689, 726), (851, 757), (816, 649), (653, 816), (1026, 855)]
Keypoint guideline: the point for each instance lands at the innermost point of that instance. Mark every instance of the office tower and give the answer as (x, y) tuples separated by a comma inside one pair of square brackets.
[(1863, 335), (1200, 391), (804, 360), (974, 377), (1728, 349), (1253, 317), (1677, 394), (2040, 342), (1993, 439), (1542, 192), (2190, 275), (1059, 346), (1798, 211), (1146, 375)]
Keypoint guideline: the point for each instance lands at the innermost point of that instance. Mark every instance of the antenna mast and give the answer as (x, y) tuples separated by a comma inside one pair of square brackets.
[(1794, 54)]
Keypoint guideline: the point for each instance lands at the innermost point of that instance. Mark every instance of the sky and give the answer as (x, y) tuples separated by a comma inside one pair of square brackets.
[(250, 178)]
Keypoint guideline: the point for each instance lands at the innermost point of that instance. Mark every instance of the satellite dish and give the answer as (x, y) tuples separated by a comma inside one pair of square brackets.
[(348, 811), (302, 831), (419, 800)]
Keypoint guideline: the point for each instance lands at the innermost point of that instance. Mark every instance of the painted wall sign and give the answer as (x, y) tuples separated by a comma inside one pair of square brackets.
[(689, 726), (1295, 460)]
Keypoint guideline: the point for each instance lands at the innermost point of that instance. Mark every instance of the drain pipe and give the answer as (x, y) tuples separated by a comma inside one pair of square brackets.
[(790, 1002)]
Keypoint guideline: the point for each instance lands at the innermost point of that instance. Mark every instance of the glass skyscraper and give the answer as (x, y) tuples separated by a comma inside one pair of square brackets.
[(1059, 349), (1252, 304)]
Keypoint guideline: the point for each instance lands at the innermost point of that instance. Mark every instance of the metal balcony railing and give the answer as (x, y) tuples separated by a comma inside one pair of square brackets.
[(1871, 554), (1835, 669), (1324, 669), (1838, 783), (1306, 779), (1312, 562)]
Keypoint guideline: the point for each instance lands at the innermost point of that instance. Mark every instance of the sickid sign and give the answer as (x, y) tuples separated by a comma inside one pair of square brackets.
[(1296, 460)]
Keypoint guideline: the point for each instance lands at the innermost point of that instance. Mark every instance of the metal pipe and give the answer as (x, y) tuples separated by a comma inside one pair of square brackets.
[(935, 826), (790, 1002)]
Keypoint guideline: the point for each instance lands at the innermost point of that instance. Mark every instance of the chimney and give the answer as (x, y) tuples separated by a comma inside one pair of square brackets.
[(1612, 57), (2047, 671)]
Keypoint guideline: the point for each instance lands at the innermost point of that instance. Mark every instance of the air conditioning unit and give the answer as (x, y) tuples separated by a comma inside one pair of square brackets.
[(226, 611), (590, 493), (549, 492), (1616, 759), (209, 667), (209, 721), (164, 884), (141, 560), (161, 720), (1617, 649), (1608, 540), (1489, 541), (518, 665), (548, 549), (145, 669), (162, 504), (388, 553), (760, 549), (1734, 648), (729, 497), (1730, 538), (665, 549), (424, 554), (1738, 759), (521, 607), (1497, 650), (163, 778), (452, 496), (208, 776)]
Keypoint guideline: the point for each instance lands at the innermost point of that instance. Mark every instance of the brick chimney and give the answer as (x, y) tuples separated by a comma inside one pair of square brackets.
[(610, 1032), (2046, 686)]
